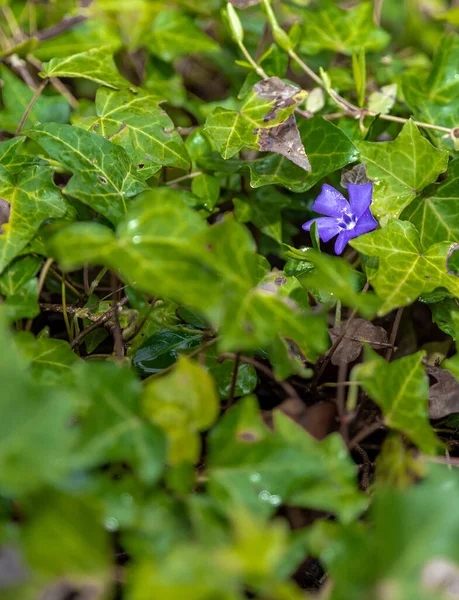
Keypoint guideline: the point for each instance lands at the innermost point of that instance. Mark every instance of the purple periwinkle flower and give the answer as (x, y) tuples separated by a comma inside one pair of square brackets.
[(345, 219)]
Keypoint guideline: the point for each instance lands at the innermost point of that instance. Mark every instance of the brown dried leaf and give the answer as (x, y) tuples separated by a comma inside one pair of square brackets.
[(285, 139), (444, 394), (275, 89), (244, 3), (356, 174), (5, 210), (359, 331)]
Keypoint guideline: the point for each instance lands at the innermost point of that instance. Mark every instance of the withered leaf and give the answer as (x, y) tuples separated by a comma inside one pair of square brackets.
[(5, 210), (356, 174), (285, 139), (275, 89), (244, 3), (444, 394), (359, 331)]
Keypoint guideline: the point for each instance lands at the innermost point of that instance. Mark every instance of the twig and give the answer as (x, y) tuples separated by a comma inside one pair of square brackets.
[(138, 326), (64, 310), (365, 432), (377, 10), (98, 323), (43, 275), (341, 401), (67, 283), (184, 177), (393, 333), (118, 334), (35, 97), (55, 82), (237, 361), (288, 388), (62, 27)]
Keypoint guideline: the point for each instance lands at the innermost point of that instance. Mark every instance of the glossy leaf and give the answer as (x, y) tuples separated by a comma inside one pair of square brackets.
[(222, 372), (401, 169), (435, 212), (102, 176), (138, 124), (163, 348), (401, 390), (96, 65), (406, 270), (33, 198)]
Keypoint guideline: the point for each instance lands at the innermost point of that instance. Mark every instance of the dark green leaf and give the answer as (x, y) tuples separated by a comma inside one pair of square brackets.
[(102, 176)]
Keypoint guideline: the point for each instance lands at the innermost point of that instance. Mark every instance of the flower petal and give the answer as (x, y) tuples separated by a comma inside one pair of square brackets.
[(366, 223), (327, 227), (330, 202), (359, 197), (343, 239)]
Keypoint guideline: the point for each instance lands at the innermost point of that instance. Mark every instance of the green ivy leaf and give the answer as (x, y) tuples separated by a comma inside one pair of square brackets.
[(111, 425), (334, 275), (77, 557), (253, 467), (339, 30), (263, 209), (96, 65), (35, 441), (327, 147), (436, 212), (267, 105), (433, 97), (400, 169), (16, 96), (183, 403), (19, 286), (49, 361), (33, 198), (216, 271), (222, 372), (102, 176), (170, 33), (138, 124), (12, 159), (162, 349), (405, 270), (397, 550), (401, 390)]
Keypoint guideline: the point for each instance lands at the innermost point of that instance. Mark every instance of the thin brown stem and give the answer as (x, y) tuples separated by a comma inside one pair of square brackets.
[(393, 333), (237, 362), (341, 401), (118, 334), (364, 433), (35, 97), (61, 27), (98, 323)]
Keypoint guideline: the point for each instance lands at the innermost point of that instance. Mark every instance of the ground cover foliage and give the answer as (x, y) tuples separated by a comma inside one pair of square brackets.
[(199, 399)]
